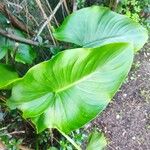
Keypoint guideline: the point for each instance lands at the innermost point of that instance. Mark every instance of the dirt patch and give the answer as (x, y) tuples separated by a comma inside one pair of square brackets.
[(126, 121)]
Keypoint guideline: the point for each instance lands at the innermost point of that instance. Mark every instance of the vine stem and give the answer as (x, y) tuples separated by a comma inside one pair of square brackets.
[(70, 140)]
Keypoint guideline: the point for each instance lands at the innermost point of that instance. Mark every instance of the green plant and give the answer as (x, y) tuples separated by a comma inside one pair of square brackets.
[(134, 9), (80, 3), (74, 86), (12, 143), (18, 52), (96, 141), (79, 136), (8, 75)]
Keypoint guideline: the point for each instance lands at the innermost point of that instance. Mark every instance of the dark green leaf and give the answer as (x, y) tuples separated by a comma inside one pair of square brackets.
[(3, 52), (23, 53), (3, 21), (7, 76)]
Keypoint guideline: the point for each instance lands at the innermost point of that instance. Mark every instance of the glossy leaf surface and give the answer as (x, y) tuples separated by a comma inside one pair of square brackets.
[(95, 26), (96, 141), (7, 76), (73, 87)]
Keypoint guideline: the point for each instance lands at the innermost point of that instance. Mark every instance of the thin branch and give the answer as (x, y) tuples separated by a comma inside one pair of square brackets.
[(113, 4), (21, 147), (50, 17), (15, 22), (2, 98), (74, 5), (51, 12), (16, 132), (66, 7), (19, 39), (2, 146), (45, 17)]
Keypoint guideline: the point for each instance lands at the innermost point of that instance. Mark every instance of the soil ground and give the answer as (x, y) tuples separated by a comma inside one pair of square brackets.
[(126, 121)]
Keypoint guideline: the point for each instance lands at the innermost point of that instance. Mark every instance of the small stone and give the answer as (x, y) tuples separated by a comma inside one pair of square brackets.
[(125, 95), (124, 132), (145, 55), (133, 138), (132, 78), (117, 116)]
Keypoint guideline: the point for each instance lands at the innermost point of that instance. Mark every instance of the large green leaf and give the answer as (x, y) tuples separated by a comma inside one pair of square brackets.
[(95, 26), (96, 141), (7, 76), (73, 87)]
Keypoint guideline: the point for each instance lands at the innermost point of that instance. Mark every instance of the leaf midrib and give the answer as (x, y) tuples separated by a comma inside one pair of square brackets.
[(98, 40), (75, 83)]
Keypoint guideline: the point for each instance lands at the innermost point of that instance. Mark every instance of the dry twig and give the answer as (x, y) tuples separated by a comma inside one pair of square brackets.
[(45, 17), (15, 22), (49, 18), (51, 12), (66, 7), (20, 39), (74, 5)]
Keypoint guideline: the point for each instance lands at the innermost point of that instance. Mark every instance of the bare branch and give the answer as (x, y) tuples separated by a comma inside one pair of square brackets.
[(51, 11), (50, 17), (19, 39), (66, 7), (15, 22), (45, 17), (74, 5)]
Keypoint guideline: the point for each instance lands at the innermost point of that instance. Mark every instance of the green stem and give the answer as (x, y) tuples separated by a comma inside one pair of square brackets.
[(7, 55), (6, 58), (37, 144), (70, 140)]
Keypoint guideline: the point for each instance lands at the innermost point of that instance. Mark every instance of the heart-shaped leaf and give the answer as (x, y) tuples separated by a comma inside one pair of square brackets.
[(73, 87), (95, 26), (7, 76)]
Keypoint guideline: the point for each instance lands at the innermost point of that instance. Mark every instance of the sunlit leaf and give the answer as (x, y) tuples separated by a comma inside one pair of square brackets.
[(74, 86), (95, 26), (52, 148), (96, 141)]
